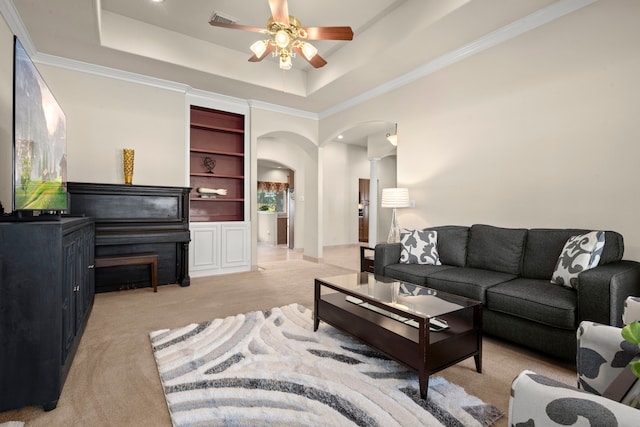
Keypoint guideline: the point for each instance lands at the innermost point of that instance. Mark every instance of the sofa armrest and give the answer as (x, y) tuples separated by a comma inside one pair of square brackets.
[(541, 401), (387, 254), (603, 290)]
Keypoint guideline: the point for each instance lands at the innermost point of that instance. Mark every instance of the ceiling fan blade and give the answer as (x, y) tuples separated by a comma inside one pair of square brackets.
[(329, 33), (237, 27), (279, 11), (317, 61), (266, 53)]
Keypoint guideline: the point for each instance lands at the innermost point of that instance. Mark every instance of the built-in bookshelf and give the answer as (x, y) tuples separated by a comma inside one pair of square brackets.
[(217, 161)]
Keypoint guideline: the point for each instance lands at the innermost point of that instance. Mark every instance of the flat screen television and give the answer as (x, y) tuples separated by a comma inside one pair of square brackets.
[(39, 141)]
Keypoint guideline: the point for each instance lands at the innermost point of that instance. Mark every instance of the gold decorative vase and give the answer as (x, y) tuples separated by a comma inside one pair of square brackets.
[(127, 165)]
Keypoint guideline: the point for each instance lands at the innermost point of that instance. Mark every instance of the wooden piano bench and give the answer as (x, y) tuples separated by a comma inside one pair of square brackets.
[(133, 259)]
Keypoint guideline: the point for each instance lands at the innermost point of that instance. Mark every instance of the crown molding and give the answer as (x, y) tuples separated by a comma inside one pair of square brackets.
[(16, 25), (99, 70), (217, 101), (282, 109), (501, 35)]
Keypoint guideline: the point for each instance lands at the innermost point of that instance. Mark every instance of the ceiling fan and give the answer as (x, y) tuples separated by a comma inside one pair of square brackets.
[(288, 37)]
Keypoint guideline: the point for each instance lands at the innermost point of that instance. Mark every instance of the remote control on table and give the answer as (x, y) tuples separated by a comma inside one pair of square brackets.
[(436, 324)]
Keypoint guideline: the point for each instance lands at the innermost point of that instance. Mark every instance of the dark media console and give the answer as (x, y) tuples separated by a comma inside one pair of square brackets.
[(29, 216), (46, 295), (136, 219)]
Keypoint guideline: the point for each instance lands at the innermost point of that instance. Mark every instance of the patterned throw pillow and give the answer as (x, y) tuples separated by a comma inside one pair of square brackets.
[(580, 253), (419, 247)]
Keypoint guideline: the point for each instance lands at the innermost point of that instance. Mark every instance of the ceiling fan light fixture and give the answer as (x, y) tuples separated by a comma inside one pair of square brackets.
[(285, 62), (286, 36), (259, 48), (308, 50), (282, 39)]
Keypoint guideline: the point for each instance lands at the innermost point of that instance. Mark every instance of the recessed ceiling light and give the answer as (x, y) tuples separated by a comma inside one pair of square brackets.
[(340, 136), (157, 1)]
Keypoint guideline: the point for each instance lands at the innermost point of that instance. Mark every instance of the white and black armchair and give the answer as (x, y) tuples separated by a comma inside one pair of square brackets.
[(602, 356)]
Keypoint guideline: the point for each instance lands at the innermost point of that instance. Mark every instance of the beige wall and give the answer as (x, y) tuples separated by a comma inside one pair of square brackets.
[(344, 165), (6, 116), (272, 175), (105, 115), (387, 178), (541, 131)]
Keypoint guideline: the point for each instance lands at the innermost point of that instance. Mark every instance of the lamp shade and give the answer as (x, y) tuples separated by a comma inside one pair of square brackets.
[(395, 198)]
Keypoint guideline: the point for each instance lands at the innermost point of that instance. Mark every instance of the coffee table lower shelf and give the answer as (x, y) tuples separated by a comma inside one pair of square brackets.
[(416, 347)]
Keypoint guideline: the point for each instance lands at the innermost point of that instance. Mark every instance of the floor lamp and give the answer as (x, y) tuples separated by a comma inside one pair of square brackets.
[(394, 198)]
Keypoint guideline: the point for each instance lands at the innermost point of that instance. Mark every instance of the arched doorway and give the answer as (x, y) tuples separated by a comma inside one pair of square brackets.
[(298, 155), (276, 204)]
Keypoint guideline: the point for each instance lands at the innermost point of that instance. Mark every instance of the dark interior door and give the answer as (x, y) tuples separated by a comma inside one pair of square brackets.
[(292, 210), (363, 210)]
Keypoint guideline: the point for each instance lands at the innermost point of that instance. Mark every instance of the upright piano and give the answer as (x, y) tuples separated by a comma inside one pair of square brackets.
[(136, 219)]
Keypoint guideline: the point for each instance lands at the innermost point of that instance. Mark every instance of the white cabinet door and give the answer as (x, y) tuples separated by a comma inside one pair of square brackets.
[(204, 253), (235, 250), (219, 248)]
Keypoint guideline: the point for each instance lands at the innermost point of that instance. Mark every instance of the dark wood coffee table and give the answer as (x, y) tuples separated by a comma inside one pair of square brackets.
[(394, 317)]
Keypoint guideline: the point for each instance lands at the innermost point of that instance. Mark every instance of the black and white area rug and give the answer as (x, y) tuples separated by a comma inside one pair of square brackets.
[(270, 368)]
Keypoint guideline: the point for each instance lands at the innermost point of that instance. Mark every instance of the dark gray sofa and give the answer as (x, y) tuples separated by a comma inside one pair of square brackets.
[(509, 271)]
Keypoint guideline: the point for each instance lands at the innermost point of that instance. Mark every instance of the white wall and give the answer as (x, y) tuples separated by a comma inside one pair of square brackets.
[(541, 131)]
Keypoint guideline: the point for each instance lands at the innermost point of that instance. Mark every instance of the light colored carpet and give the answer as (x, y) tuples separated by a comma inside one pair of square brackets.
[(114, 381), (271, 368)]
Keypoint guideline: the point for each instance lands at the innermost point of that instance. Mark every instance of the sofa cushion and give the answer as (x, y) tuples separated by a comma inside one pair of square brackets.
[(413, 273), (495, 248), (452, 244), (544, 246), (419, 247), (580, 253), (536, 300), (467, 282)]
